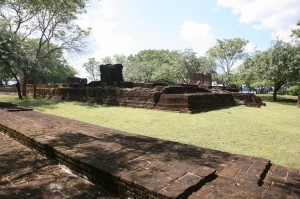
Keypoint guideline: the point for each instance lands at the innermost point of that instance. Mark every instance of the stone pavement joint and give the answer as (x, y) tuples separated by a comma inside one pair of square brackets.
[(141, 167)]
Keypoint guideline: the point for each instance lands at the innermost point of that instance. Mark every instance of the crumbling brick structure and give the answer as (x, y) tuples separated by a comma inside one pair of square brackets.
[(75, 80), (111, 73), (200, 79), (113, 90)]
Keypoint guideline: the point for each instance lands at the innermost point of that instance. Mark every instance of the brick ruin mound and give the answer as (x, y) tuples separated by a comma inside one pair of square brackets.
[(247, 100), (113, 90)]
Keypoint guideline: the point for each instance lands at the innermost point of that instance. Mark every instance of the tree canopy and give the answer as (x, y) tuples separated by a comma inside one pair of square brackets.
[(226, 53), (50, 22)]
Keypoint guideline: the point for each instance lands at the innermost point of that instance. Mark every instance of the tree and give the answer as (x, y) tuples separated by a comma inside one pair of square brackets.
[(55, 69), (92, 67), (296, 32), (226, 53), (48, 21), (279, 65), (165, 66), (12, 56), (115, 59)]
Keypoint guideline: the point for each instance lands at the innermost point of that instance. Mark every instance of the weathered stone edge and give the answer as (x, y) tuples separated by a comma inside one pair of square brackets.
[(116, 185)]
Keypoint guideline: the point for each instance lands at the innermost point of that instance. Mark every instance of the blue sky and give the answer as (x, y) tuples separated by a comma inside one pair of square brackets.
[(128, 26)]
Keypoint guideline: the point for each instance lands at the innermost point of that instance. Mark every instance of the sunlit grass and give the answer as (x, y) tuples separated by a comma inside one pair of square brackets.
[(272, 132)]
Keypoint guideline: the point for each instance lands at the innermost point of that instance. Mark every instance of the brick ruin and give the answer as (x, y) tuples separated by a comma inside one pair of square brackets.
[(201, 80), (298, 104), (113, 90)]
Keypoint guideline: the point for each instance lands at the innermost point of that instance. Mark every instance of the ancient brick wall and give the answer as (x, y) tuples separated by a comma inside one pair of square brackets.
[(200, 79), (111, 73), (175, 98), (193, 103)]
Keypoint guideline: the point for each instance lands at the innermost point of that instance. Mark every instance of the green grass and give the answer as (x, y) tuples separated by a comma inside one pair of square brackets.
[(271, 132)]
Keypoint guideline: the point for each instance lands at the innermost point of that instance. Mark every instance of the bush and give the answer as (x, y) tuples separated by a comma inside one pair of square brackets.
[(294, 90)]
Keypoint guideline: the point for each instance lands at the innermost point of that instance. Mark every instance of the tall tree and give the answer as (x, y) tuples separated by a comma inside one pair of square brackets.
[(279, 65), (11, 56), (92, 67), (226, 53), (48, 21)]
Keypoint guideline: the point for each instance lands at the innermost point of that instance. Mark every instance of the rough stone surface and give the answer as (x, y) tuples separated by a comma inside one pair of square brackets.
[(111, 73), (201, 80), (26, 174)]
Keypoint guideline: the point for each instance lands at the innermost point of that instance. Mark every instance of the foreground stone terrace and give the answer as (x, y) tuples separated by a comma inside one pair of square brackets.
[(27, 174), (136, 166)]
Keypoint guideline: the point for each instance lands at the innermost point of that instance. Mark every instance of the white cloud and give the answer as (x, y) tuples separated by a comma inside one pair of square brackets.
[(106, 39), (250, 48), (199, 36), (279, 15)]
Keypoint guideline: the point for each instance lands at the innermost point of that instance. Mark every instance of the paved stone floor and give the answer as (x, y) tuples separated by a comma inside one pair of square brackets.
[(27, 174), (136, 166)]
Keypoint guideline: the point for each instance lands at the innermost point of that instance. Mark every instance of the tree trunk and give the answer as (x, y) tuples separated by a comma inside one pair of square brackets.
[(34, 88), (276, 89), (25, 80), (298, 101), (275, 95), (18, 86)]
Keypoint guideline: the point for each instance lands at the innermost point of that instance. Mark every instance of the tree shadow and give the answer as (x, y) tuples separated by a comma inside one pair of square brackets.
[(280, 100), (92, 105), (26, 174)]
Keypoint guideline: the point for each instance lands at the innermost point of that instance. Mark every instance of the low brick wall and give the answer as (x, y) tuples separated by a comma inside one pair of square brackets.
[(8, 89), (138, 97), (298, 101), (193, 103)]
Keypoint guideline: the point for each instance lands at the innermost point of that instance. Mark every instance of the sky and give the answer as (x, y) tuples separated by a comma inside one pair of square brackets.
[(128, 26)]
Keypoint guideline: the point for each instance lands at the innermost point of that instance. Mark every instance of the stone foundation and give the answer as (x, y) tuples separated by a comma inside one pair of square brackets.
[(179, 98)]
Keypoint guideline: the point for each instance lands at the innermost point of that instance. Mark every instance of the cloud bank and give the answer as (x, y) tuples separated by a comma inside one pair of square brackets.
[(281, 16)]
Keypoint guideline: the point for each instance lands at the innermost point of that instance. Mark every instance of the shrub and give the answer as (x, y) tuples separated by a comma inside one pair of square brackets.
[(294, 90)]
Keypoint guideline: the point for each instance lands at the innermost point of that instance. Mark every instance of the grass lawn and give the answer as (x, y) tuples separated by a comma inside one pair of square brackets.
[(272, 132)]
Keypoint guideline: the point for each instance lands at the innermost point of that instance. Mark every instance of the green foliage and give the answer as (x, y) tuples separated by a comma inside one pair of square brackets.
[(294, 90), (115, 59), (12, 53), (296, 32), (165, 66), (92, 67), (38, 24), (277, 66), (226, 53)]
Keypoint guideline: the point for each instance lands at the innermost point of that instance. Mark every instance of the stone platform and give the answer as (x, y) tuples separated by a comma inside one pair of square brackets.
[(136, 166)]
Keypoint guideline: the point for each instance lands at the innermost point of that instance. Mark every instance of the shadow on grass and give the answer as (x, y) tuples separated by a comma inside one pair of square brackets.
[(280, 100), (91, 105), (39, 104)]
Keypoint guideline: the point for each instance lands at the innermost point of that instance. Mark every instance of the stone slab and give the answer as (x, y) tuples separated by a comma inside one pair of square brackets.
[(27, 174)]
